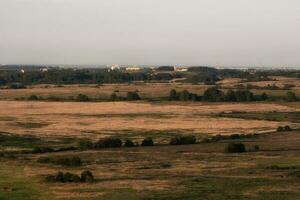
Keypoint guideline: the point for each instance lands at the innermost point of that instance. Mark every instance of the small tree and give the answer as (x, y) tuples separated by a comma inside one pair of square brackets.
[(85, 144), (128, 143), (87, 176), (132, 96), (235, 148), (173, 95), (147, 142), (33, 98), (113, 97), (291, 96), (82, 97)]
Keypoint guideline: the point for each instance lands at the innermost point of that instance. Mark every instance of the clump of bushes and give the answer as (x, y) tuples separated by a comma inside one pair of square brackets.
[(108, 143), (147, 142), (73, 161), (42, 150), (235, 148), (129, 143), (33, 98), (82, 97), (86, 177), (284, 128), (133, 96), (85, 144), (181, 140), (217, 138)]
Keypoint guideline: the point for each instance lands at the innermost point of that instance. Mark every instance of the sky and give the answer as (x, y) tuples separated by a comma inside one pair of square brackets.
[(151, 32)]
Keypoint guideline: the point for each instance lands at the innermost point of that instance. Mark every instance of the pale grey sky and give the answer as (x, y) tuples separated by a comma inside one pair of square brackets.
[(188, 32)]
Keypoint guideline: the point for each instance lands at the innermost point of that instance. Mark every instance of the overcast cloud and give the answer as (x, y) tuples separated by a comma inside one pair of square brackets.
[(188, 32)]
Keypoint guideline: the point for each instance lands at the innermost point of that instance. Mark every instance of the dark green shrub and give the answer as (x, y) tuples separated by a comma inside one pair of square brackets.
[(82, 97), (33, 98), (284, 128), (85, 144), (42, 149), (132, 96), (87, 176), (180, 140), (129, 143), (44, 160), (113, 97), (108, 143), (287, 128), (59, 177), (72, 178), (280, 129), (147, 142), (235, 148)]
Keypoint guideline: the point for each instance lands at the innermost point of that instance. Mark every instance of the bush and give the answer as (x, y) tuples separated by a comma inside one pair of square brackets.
[(87, 176), (132, 96), (128, 143), (65, 161), (287, 128), (33, 98), (284, 128), (82, 97), (44, 160), (60, 177), (113, 97), (254, 148), (42, 150), (85, 144), (180, 140), (108, 143), (69, 177), (147, 142), (235, 148)]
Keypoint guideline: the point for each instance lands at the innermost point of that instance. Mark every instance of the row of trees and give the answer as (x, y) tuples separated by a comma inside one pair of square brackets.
[(215, 95)]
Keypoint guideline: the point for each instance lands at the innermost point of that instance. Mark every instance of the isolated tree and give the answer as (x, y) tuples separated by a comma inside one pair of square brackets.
[(291, 96), (173, 95), (147, 142)]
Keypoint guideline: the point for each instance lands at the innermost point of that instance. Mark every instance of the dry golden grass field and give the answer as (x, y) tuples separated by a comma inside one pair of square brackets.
[(137, 119)]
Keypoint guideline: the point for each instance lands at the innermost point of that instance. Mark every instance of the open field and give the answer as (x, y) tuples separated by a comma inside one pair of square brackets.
[(97, 120)]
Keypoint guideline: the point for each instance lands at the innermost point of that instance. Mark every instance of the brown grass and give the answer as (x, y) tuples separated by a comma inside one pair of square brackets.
[(102, 119)]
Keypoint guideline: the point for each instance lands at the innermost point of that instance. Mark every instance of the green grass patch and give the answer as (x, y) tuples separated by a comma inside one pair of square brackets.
[(14, 185)]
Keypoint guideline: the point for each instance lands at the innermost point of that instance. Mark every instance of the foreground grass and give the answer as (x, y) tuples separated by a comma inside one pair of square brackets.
[(15, 185)]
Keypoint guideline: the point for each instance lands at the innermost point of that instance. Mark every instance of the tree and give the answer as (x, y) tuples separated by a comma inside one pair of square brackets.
[(184, 95), (82, 97), (147, 142), (129, 143), (87, 176), (132, 96), (235, 148), (230, 96), (213, 95), (291, 96), (173, 95), (113, 97)]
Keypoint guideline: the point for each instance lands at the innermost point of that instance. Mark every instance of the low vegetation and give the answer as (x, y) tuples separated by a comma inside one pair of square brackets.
[(67, 177)]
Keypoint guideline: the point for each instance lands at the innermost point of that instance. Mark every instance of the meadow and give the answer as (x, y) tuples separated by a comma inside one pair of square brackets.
[(37, 138)]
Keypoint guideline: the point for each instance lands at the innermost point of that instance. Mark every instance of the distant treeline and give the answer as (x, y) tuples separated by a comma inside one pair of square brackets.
[(215, 95), (205, 75), (212, 94)]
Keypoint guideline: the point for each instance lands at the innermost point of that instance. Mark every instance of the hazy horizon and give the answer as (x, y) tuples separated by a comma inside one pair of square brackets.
[(258, 33)]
